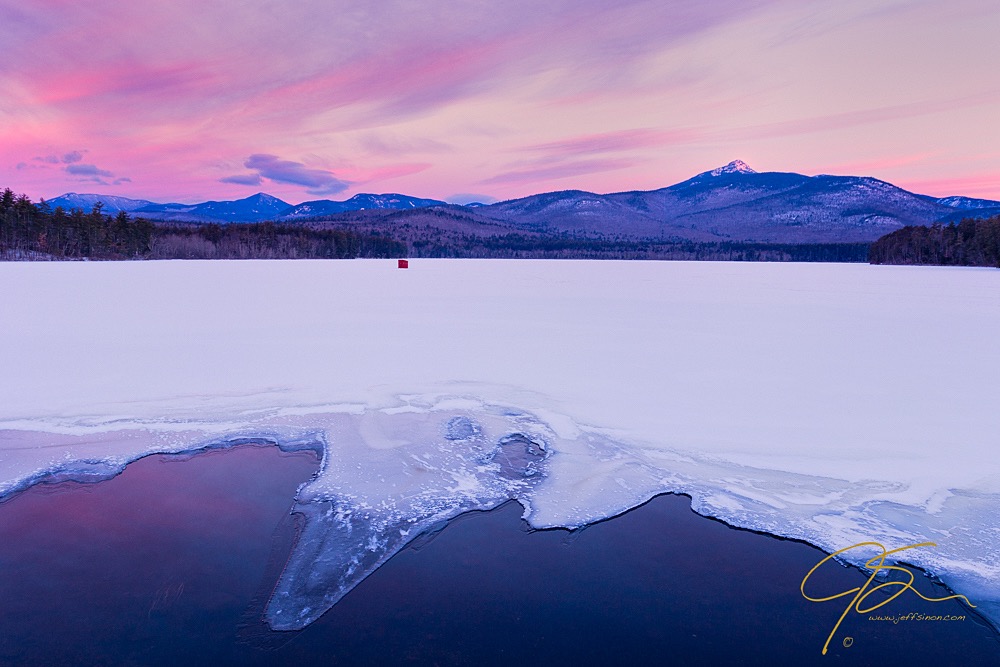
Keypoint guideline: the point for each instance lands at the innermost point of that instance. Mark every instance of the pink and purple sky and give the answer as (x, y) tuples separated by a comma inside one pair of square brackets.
[(191, 100)]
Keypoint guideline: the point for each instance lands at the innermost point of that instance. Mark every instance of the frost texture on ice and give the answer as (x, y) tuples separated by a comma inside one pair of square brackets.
[(391, 477), (830, 403)]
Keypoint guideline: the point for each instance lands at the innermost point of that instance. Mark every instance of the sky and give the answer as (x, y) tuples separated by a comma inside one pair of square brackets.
[(465, 100)]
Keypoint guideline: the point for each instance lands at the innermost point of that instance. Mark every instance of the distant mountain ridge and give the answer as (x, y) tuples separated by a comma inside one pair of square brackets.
[(360, 202), (732, 203), (967, 202), (112, 204), (256, 208)]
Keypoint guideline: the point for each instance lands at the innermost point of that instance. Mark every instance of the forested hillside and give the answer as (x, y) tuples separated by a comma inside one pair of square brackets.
[(969, 243)]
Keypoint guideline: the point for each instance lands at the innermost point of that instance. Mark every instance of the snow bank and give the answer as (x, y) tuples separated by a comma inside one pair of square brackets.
[(832, 403)]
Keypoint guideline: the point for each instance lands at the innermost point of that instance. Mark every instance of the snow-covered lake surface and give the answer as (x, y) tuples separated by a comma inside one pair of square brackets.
[(832, 403)]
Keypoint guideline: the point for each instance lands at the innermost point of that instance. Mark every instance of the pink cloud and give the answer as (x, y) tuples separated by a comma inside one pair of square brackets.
[(242, 179), (106, 84), (87, 170), (316, 181), (178, 94), (396, 82)]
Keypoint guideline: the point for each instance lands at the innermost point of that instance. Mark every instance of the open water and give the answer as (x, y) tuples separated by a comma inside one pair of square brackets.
[(172, 562)]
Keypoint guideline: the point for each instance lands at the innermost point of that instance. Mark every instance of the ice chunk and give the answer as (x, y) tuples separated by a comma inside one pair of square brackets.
[(370, 500), (461, 428)]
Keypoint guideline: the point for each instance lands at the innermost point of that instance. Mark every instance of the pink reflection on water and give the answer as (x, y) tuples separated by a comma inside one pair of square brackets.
[(89, 566)]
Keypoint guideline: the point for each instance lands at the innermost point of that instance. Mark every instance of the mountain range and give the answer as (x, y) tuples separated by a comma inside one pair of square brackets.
[(256, 208), (736, 203), (730, 203)]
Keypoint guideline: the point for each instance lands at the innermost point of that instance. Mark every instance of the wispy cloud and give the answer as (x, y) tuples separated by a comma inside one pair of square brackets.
[(860, 117), (383, 59), (67, 158), (391, 144), (612, 142), (242, 179), (90, 173), (387, 172), (87, 170), (585, 154), (556, 172), (316, 181)]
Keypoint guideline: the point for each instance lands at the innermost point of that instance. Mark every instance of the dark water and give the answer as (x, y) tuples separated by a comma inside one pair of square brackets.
[(171, 562)]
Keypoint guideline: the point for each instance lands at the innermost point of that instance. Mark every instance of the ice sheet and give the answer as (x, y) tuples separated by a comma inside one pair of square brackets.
[(832, 403)]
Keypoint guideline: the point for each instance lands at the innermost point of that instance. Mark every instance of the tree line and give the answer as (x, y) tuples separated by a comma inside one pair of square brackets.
[(971, 242), (268, 240), (447, 232), (36, 231), (542, 247)]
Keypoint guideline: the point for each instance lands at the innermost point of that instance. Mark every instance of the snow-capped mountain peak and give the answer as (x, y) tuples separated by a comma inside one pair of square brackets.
[(112, 203), (265, 198), (734, 167)]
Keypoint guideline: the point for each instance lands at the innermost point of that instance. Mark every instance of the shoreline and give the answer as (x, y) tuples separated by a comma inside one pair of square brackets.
[(93, 471)]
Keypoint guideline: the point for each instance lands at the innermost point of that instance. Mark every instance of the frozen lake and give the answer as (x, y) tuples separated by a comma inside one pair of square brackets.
[(836, 404)]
